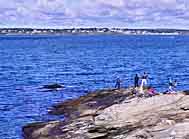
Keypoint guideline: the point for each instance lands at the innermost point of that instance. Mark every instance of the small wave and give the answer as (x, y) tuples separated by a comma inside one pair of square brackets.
[(90, 73)]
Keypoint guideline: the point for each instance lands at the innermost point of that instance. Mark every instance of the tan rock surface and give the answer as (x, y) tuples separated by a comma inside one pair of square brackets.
[(125, 117)]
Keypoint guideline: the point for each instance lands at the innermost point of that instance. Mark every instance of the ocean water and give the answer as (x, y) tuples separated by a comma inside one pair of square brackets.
[(82, 64)]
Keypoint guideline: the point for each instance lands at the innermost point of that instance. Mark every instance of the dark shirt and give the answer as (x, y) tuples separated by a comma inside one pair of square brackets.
[(171, 84), (144, 76), (136, 78)]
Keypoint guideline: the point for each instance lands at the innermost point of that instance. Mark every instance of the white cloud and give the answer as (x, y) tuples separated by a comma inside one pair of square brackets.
[(114, 3), (94, 12)]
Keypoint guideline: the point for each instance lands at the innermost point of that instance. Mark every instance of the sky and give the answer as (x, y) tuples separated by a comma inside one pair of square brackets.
[(95, 13)]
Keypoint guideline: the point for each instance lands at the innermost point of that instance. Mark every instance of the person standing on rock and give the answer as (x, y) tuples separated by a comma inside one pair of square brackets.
[(172, 86), (136, 79), (118, 83), (175, 84), (144, 79)]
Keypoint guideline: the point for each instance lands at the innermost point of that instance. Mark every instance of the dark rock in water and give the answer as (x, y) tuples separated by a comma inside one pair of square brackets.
[(53, 86)]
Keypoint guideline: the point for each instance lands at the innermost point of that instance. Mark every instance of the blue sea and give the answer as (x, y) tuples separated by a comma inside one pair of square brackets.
[(82, 63)]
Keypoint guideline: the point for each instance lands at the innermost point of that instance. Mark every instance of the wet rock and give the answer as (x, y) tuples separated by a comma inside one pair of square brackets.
[(35, 130), (90, 104)]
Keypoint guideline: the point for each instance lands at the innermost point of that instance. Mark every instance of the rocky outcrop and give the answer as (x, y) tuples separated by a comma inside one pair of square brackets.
[(117, 114), (90, 103)]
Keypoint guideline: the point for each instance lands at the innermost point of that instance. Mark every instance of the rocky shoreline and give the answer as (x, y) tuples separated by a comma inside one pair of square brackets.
[(117, 114)]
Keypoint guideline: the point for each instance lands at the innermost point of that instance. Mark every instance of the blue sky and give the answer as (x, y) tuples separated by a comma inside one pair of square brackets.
[(95, 13)]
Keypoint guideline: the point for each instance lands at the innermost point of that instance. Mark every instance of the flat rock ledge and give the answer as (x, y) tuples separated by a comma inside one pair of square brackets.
[(117, 114)]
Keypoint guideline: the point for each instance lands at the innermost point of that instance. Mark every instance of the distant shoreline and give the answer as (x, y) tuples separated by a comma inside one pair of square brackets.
[(92, 31)]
